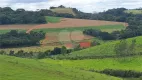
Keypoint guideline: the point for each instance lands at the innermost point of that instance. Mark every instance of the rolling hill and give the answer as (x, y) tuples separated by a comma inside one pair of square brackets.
[(12, 68)]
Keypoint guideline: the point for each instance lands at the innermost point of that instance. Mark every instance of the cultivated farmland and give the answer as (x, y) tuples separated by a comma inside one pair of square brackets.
[(64, 10), (71, 23)]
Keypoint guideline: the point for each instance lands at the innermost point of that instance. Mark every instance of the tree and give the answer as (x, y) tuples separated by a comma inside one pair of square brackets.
[(2, 52), (63, 50), (11, 53), (132, 47), (121, 48)]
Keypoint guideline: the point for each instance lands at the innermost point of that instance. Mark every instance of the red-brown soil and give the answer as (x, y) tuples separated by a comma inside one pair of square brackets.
[(68, 22)]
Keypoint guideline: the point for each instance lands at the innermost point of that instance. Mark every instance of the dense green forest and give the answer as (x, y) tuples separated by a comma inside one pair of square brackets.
[(19, 39), (20, 16)]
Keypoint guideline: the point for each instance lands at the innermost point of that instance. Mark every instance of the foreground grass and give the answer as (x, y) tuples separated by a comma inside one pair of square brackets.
[(108, 28), (12, 68), (52, 19)]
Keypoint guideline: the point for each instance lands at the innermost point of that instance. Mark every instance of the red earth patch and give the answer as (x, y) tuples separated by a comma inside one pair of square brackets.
[(85, 44)]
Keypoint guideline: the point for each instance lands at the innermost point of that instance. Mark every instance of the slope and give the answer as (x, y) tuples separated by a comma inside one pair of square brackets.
[(106, 49), (12, 68)]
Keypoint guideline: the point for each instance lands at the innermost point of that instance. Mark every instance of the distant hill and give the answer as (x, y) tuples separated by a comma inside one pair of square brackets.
[(134, 11), (64, 10)]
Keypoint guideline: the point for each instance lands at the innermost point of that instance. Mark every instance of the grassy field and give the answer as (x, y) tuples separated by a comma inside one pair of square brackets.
[(52, 19), (129, 63), (63, 10), (13, 68), (134, 11), (108, 28), (106, 49)]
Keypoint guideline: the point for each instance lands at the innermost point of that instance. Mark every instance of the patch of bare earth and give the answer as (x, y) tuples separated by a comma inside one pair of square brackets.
[(25, 27), (69, 22)]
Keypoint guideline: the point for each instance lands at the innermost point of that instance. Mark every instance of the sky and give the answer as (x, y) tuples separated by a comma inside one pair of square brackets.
[(83, 5)]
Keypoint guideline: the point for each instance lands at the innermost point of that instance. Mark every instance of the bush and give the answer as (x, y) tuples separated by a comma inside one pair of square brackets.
[(2, 52), (122, 73)]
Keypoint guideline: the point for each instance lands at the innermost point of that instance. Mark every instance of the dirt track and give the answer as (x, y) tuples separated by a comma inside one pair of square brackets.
[(67, 22)]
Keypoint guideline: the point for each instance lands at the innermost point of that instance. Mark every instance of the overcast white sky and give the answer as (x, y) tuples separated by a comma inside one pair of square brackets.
[(83, 5)]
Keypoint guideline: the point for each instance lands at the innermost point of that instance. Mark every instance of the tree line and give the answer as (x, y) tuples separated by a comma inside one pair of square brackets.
[(15, 38), (20, 16), (39, 55)]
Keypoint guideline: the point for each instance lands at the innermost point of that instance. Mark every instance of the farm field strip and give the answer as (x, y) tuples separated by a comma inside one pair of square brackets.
[(17, 26), (103, 28), (74, 23)]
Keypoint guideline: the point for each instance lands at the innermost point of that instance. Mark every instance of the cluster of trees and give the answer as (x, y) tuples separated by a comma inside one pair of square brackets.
[(46, 12), (38, 55), (123, 48), (101, 35), (18, 39), (122, 73), (20, 16), (61, 6)]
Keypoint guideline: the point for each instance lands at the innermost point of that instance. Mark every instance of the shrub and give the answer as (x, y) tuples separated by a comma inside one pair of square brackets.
[(122, 73), (2, 52)]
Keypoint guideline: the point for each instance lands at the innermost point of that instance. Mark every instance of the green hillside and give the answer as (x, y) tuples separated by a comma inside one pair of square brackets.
[(106, 49), (12, 68), (134, 11), (129, 63)]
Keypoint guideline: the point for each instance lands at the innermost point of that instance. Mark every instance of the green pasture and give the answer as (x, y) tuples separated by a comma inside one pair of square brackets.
[(52, 19)]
